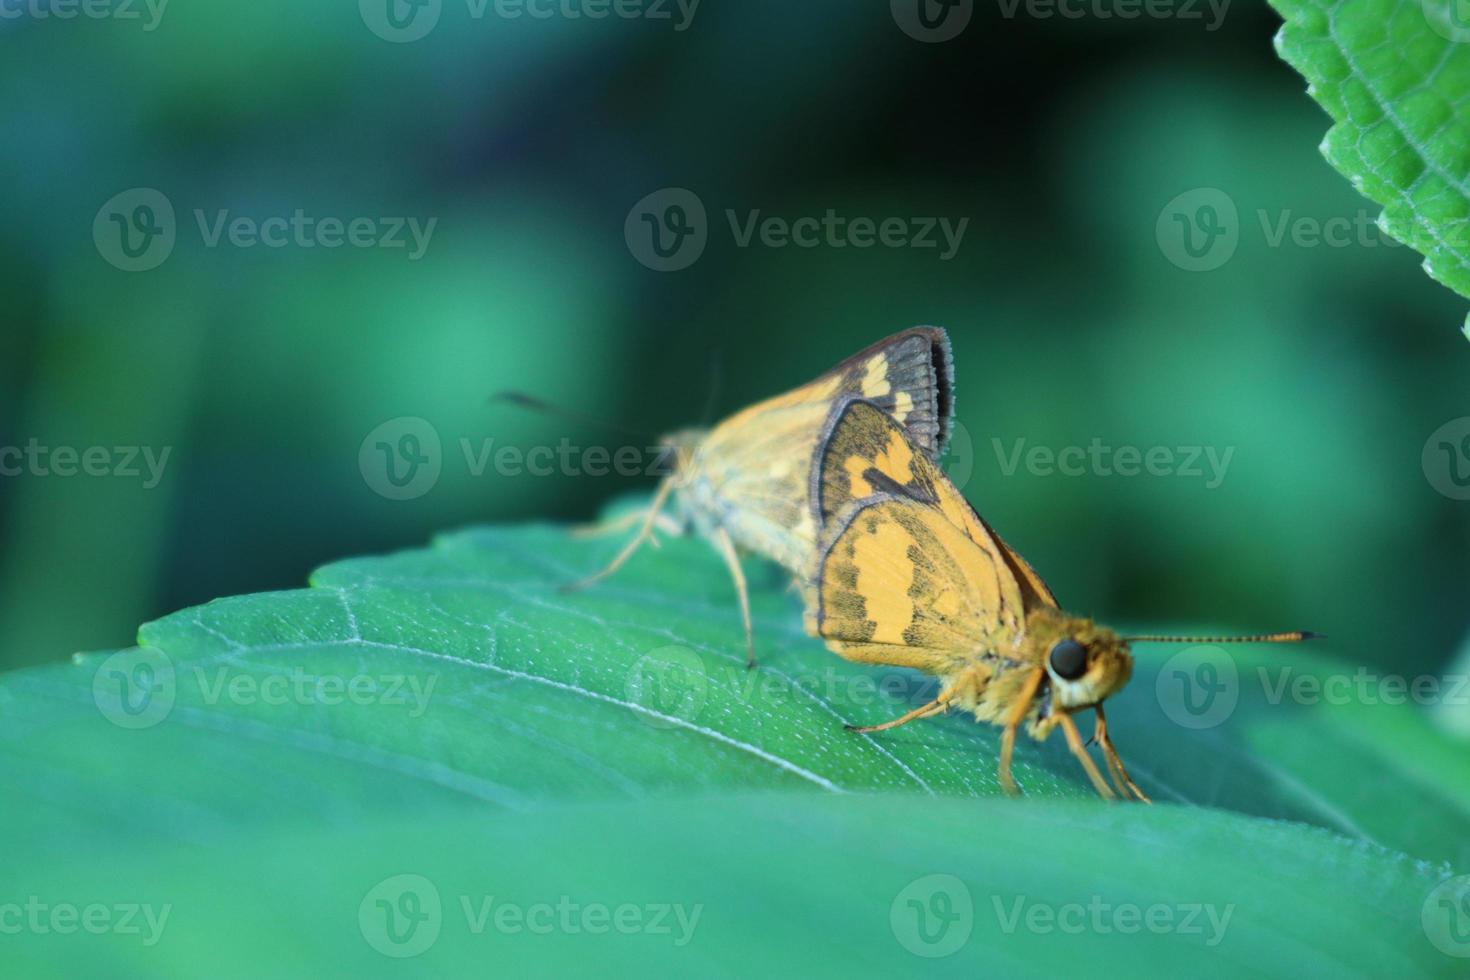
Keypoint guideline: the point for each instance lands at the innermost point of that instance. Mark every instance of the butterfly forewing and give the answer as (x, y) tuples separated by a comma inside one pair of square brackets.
[(863, 453), (899, 583), (751, 473)]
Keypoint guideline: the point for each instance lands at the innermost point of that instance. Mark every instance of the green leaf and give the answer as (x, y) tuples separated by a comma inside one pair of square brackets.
[(752, 885), (451, 712), (464, 671), (1392, 74)]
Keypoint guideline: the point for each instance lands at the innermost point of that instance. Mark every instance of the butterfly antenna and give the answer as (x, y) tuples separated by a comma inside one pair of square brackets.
[(1295, 636), (716, 382), (530, 402)]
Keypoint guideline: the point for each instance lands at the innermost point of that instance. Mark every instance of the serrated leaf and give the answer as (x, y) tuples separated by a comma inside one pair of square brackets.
[(1393, 75)]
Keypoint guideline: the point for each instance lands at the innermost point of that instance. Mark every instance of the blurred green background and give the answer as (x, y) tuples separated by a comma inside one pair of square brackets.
[(1325, 367)]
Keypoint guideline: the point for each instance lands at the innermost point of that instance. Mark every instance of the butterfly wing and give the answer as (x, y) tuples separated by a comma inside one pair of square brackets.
[(909, 375), (898, 583), (863, 453), (751, 473)]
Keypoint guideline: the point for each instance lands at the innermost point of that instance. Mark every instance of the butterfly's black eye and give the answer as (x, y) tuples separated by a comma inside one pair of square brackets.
[(1069, 660)]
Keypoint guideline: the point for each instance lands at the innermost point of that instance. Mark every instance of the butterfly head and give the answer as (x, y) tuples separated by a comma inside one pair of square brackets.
[(676, 450), (1085, 663)]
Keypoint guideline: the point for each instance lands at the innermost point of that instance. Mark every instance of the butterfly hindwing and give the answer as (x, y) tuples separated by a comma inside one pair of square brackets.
[(862, 452)]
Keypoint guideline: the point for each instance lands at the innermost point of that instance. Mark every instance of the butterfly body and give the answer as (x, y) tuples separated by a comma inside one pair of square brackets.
[(743, 484)]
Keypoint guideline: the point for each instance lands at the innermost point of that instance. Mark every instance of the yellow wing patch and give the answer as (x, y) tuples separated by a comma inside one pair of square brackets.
[(864, 452), (898, 575)]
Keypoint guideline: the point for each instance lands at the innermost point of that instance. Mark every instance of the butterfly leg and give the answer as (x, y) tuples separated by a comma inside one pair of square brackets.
[(934, 707), (645, 532), (1074, 742), (1014, 717), (726, 548), (663, 522), (1121, 779)]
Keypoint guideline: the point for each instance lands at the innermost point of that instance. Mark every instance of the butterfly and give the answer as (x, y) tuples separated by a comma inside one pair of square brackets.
[(909, 575), (743, 484)]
